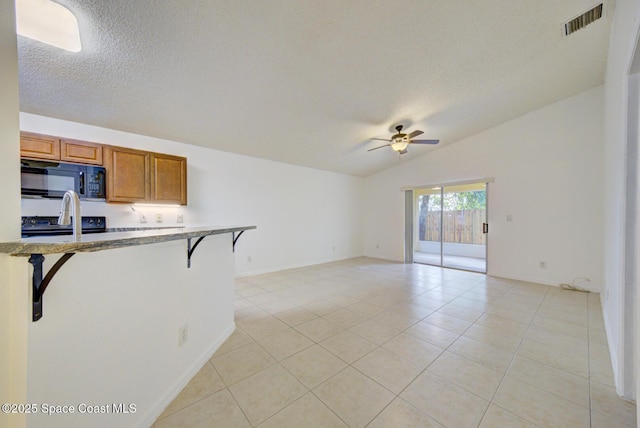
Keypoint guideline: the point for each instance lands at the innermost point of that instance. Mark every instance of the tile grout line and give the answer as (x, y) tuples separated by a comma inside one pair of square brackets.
[(440, 354), (515, 354), (428, 365), (378, 346), (405, 295), (588, 378), (445, 349)]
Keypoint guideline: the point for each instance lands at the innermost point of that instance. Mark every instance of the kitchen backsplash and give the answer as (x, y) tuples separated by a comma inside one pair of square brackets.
[(118, 215)]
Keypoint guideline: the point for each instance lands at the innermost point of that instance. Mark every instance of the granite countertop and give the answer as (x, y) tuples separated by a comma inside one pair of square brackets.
[(137, 228), (109, 240)]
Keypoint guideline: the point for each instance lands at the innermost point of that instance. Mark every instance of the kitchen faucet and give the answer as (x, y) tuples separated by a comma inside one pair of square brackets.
[(71, 198)]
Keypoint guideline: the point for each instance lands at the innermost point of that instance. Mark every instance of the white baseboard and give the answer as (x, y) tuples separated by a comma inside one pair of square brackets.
[(294, 266), (539, 281), (165, 399), (592, 289)]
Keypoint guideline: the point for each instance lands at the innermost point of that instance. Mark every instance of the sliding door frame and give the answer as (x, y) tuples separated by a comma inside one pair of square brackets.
[(409, 218), (408, 226)]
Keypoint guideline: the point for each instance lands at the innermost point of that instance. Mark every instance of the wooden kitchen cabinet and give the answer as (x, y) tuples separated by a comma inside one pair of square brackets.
[(168, 179), (80, 152), (132, 175), (48, 147), (38, 146), (140, 176), (128, 174)]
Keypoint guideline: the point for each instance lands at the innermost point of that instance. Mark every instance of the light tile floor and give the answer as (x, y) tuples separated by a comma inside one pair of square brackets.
[(475, 264), (366, 342)]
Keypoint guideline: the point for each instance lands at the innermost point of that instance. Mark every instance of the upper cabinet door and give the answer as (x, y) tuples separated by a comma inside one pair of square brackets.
[(128, 173), (38, 146), (168, 179), (80, 151)]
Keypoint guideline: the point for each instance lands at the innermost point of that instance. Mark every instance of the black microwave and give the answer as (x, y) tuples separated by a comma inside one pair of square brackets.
[(52, 179)]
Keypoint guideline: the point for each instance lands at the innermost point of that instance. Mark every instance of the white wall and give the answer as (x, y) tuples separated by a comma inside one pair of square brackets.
[(622, 45), (304, 216), (548, 175), (112, 336), (109, 331), (111, 319), (13, 292)]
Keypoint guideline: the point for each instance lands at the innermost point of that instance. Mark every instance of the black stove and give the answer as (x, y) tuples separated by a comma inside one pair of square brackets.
[(48, 226)]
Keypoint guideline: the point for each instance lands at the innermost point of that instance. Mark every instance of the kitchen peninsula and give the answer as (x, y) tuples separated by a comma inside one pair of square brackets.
[(110, 240), (128, 305), (36, 247)]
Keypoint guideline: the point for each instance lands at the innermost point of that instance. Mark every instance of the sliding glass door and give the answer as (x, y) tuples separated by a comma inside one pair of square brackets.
[(451, 226), (428, 246)]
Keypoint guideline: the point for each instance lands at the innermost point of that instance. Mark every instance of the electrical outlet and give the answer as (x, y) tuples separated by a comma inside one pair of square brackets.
[(249, 259), (143, 219), (183, 334), (377, 246), (543, 265), (334, 248), (180, 218), (159, 218)]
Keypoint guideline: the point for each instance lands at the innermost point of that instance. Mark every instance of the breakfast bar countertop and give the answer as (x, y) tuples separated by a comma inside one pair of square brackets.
[(110, 240)]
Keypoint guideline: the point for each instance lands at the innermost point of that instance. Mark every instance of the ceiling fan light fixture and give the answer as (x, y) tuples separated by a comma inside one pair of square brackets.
[(400, 143), (48, 22)]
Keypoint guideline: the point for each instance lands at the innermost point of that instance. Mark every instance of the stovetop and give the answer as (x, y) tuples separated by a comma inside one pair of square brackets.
[(44, 226)]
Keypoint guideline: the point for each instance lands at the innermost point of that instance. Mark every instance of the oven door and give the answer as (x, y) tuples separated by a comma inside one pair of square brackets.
[(49, 182)]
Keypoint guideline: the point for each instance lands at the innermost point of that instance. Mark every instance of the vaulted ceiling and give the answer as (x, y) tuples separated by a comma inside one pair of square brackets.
[(308, 82)]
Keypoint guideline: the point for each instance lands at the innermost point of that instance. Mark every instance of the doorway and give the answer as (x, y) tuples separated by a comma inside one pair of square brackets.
[(450, 226)]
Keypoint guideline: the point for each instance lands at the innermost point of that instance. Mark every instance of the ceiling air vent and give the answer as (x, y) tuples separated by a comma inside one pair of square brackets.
[(583, 20)]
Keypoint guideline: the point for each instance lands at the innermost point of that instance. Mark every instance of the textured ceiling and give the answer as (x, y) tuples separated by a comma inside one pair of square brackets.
[(308, 82)]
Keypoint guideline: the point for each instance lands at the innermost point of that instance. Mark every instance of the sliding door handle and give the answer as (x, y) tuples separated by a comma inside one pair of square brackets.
[(485, 227)]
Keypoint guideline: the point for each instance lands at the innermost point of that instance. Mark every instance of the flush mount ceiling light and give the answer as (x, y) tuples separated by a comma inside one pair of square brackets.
[(48, 22)]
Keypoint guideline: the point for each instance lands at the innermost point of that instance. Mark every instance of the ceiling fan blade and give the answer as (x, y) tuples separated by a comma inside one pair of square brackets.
[(376, 148), (424, 141), (380, 139), (415, 134)]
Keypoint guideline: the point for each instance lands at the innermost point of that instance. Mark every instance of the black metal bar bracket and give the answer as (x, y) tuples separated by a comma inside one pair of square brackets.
[(191, 249), (235, 239), (39, 283)]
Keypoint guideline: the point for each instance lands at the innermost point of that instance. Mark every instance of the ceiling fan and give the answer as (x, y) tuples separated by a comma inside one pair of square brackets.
[(400, 141)]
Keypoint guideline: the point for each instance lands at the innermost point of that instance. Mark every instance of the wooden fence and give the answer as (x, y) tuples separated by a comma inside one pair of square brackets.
[(461, 227)]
